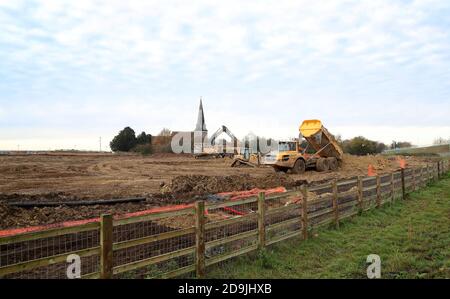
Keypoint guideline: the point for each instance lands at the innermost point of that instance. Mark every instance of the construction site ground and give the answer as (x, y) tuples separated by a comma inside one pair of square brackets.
[(163, 179)]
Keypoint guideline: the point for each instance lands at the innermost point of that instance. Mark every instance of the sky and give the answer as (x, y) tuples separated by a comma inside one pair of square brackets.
[(74, 71)]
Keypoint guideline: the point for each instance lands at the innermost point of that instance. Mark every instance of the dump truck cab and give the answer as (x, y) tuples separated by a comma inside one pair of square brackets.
[(326, 152), (283, 150), (284, 157)]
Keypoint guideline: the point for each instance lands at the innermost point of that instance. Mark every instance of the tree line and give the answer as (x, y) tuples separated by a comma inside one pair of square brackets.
[(362, 146), (127, 141)]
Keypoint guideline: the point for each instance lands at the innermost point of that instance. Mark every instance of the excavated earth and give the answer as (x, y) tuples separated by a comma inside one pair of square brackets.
[(162, 179)]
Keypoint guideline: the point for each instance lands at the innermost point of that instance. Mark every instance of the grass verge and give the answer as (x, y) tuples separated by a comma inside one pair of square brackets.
[(412, 238)]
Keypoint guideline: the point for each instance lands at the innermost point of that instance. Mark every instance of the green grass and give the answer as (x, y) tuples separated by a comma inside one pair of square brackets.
[(411, 237)]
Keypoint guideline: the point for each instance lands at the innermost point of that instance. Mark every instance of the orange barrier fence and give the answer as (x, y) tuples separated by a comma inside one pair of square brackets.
[(235, 195)]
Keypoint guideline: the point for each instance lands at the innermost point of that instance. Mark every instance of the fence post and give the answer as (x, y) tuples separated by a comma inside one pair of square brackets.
[(392, 188), (106, 246), (424, 175), (261, 220), (436, 171), (423, 180), (429, 173), (360, 193), (378, 191), (414, 178), (335, 204), (439, 170), (304, 191), (419, 183), (200, 238), (403, 183), (430, 166)]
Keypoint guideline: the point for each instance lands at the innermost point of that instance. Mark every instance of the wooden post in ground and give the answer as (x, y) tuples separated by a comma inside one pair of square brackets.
[(304, 191), (430, 166), (419, 178), (423, 172), (261, 220), (424, 175), (200, 238), (413, 178), (335, 204), (392, 188), (439, 169), (378, 191), (106, 246), (429, 172), (360, 194), (403, 183)]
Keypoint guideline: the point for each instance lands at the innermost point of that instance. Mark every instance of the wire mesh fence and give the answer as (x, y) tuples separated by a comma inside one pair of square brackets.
[(282, 216), (49, 255), (153, 248)]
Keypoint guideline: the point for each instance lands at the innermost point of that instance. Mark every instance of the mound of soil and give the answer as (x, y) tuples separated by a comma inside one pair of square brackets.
[(40, 197), (202, 184), (11, 217)]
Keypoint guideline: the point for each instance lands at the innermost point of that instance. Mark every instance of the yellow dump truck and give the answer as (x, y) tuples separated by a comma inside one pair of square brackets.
[(326, 152)]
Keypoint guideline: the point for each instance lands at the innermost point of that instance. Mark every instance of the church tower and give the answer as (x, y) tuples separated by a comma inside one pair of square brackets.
[(200, 132), (201, 126)]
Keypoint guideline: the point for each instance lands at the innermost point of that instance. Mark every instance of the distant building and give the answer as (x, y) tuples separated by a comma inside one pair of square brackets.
[(200, 132)]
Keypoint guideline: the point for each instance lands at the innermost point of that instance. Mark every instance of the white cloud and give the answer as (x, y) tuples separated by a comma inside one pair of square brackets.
[(317, 58)]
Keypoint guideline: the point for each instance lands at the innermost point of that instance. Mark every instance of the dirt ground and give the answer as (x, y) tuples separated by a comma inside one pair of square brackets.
[(162, 179)]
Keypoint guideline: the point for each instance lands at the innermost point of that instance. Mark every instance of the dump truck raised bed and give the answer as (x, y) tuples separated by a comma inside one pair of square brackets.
[(322, 152)]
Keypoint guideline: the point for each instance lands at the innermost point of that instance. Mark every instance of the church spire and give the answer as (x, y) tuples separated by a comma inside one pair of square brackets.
[(201, 126)]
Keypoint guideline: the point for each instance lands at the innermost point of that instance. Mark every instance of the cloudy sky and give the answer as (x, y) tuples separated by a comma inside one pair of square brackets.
[(72, 71)]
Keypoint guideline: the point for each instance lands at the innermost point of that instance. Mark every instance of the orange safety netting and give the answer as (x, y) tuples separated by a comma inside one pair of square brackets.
[(234, 196)]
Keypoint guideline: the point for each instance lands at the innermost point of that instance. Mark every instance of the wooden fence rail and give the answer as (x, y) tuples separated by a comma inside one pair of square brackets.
[(116, 247)]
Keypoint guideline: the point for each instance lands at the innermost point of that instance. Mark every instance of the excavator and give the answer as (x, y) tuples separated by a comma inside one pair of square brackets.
[(211, 152), (322, 152), (246, 159)]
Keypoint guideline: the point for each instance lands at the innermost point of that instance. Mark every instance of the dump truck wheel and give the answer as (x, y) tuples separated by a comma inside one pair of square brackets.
[(332, 163), (322, 164), (299, 167)]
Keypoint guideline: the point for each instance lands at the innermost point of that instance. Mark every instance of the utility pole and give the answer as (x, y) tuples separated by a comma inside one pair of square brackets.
[(100, 141)]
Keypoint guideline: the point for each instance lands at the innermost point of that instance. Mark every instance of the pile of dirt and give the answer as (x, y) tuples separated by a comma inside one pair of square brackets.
[(202, 184), (382, 164), (12, 217), (361, 163), (37, 197)]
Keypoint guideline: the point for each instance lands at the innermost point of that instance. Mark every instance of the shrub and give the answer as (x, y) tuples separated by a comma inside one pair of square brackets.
[(124, 141), (362, 146), (144, 149)]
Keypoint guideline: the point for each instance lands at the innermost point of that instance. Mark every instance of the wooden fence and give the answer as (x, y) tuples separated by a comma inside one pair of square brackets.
[(185, 242)]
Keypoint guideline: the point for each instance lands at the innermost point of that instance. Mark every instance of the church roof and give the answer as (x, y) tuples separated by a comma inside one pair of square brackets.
[(201, 126)]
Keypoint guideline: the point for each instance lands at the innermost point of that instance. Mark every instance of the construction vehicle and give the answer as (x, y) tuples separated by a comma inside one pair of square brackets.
[(246, 159), (214, 150), (322, 151)]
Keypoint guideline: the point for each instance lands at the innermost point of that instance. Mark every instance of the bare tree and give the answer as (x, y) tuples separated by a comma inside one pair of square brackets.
[(165, 132), (441, 140)]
